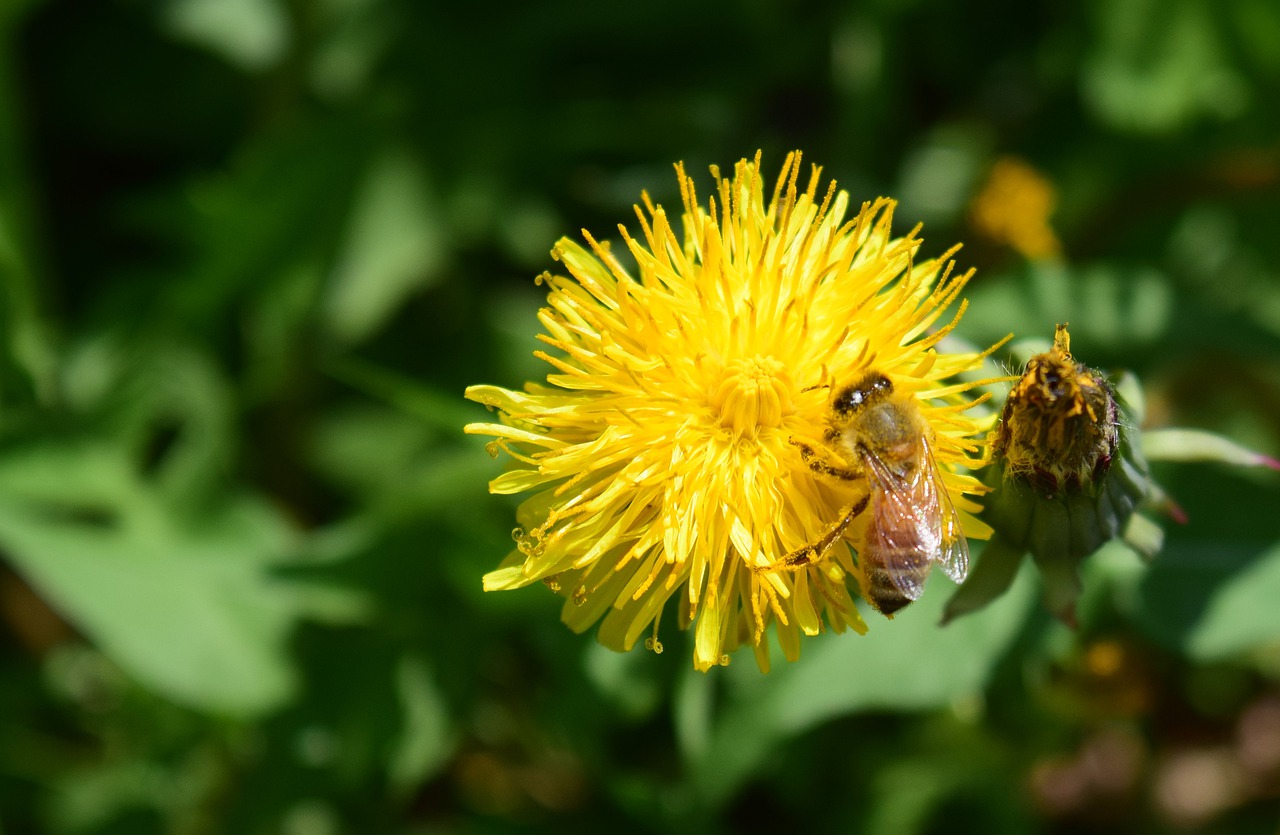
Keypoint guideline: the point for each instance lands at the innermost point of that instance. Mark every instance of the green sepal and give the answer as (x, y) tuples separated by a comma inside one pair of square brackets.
[(1060, 529), (1145, 537), (1072, 523), (1198, 445)]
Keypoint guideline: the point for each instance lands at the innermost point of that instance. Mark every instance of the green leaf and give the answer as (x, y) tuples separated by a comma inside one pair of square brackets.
[(1198, 445), (938, 177), (909, 663), (349, 38), (394, 246), (1242, 613), (990, 577), (251, 34), (1159, 65), (1107, 306), (25, 349), (1258, 27), (370, 447), (156, 391), (88, 800), (434, 408), (426, 739), (624, 678), (275, 215), (186, 604)]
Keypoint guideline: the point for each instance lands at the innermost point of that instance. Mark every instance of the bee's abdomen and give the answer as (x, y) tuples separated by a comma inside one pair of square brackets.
[(882, 592)]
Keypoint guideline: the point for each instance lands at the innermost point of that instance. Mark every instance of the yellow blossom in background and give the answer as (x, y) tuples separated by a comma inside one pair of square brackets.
[(659, 451), (1013, 209)]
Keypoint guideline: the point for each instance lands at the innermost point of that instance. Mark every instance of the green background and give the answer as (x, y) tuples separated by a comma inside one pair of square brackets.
[(252, 252)]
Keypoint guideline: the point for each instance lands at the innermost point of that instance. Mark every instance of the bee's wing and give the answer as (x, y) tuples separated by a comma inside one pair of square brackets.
[(905, 533), (953, 549)]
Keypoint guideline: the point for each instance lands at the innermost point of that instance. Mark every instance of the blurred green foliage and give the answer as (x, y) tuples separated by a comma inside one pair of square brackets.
[(252, 251)]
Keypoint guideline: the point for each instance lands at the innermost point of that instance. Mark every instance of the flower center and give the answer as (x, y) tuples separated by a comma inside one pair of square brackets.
[(753, 393)]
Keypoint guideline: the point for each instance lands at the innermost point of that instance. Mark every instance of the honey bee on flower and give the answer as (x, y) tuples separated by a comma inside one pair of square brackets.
[(911, 523), (665, 453)]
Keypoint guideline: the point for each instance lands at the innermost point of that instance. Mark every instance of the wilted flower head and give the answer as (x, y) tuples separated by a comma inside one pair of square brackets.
[(659, 451), (1060, 426), (1069, 474)]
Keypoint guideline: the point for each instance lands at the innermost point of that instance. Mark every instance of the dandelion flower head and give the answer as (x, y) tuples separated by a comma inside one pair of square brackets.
[(659, 452), (1013, 208), (1060, 427)]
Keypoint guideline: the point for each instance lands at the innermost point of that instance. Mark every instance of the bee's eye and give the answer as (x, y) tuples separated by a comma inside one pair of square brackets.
[(873, 387), (848, 400)]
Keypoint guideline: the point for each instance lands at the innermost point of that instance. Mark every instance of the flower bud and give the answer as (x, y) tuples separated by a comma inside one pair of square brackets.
[(1066, 477), (1068, 474)]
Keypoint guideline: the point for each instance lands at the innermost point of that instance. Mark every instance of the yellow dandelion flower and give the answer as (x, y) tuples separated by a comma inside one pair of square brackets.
[(1013, 208), (662, 451)]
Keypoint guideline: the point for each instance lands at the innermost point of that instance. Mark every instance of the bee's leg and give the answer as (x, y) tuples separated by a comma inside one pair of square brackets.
[(815, 463), (810, 554)]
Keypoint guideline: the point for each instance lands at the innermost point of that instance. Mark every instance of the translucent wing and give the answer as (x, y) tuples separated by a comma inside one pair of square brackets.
[(905, 531), (953, 548)]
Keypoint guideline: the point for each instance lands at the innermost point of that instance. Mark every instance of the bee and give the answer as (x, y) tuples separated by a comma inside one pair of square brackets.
[(912, 523)]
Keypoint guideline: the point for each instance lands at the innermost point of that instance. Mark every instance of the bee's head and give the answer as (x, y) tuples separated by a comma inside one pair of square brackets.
[(872, 387)]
